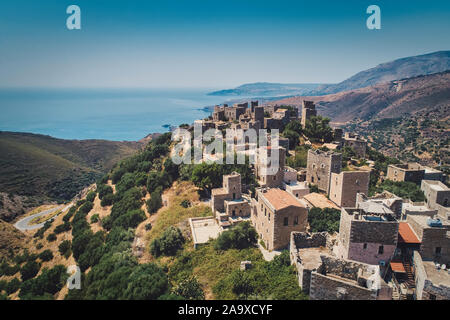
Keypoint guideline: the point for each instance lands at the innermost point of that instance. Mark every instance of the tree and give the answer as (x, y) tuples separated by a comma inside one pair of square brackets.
[(64, 248), (317, 129), (168, 244), (239, 237), (155, 201), (190, 289), (207, 176), (46, 255), (29, 270), (146, 282), (241, 284), (324, 219), (293, 138)]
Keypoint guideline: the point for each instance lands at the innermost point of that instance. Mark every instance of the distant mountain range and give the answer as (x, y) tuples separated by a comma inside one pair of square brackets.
[(395, 70), (386, 100), (266, 89)]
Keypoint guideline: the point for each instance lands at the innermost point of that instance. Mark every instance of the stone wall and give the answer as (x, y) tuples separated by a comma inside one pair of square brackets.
[(324, 287), (346, 185), (309, 240), (320, 165)]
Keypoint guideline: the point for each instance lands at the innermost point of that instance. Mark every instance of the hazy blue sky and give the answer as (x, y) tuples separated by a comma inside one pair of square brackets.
[(209, 43)]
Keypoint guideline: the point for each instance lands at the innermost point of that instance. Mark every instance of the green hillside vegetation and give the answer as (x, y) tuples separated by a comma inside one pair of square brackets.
[(38, 165)]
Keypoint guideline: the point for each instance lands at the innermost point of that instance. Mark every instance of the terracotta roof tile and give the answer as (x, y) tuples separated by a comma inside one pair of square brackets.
[(280, 199), (406, 234)]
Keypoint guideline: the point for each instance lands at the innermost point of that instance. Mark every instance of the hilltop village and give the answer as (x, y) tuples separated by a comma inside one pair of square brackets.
[(386, 247), (335, 220)]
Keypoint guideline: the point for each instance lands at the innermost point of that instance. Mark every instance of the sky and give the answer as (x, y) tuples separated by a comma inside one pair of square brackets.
[(209, 43)]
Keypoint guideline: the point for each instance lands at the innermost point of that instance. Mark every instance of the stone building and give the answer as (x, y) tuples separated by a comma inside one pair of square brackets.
[(434, 237), (386, 202), (358, 144), (437, 195), (346, 185), (269, 172), (412, 172), (308, 111), (292, 185), (227, 203), (320, 166), (275, 215), (325, 277), (432, 281), (367, 235)]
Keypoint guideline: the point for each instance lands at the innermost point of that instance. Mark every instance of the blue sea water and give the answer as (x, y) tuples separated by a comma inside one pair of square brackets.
[(112, 114)]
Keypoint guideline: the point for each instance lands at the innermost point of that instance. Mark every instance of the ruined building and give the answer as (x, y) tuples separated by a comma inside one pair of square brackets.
[(308, 111), (355, 142), (325, 277)]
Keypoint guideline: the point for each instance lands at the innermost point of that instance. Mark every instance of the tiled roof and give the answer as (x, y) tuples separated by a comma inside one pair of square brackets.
[(320, 201), (397, 266), (406, 234), (280, 199)]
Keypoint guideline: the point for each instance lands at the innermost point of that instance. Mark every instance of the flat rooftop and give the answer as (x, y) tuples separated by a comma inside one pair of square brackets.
[(438, 277), (204, 229), (422, 221), (310, 257), (320, 201)]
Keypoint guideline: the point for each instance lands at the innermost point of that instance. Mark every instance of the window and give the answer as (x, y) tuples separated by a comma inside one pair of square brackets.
[(234, 196), (438, 250), (286, 221), (274, 178), (365, 246), (380, 249), (296, 220), (269, 216), (312, 179), (265, 211), (233, 213)]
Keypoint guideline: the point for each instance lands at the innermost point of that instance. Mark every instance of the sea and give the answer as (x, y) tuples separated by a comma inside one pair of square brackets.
[(110, 114)]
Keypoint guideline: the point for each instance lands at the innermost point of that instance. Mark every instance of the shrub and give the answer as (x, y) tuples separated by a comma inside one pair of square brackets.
[(29, 270), (168, 244), (51, 237), (107, 200), (190, 289), (62, 228), (185, 203), (324, 219), (91, 196), (95, 218), (239, 237), (104, 190), (155, 202), (46, 255), (64, 248), (12, 286)]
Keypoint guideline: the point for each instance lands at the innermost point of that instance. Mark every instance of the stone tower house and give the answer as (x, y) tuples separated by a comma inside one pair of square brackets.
[(320, 166)]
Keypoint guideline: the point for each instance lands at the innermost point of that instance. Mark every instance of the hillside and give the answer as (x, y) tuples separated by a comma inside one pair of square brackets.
[(408, 119), (388, 100), (42, 167), (395, 70), (266, 89)]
